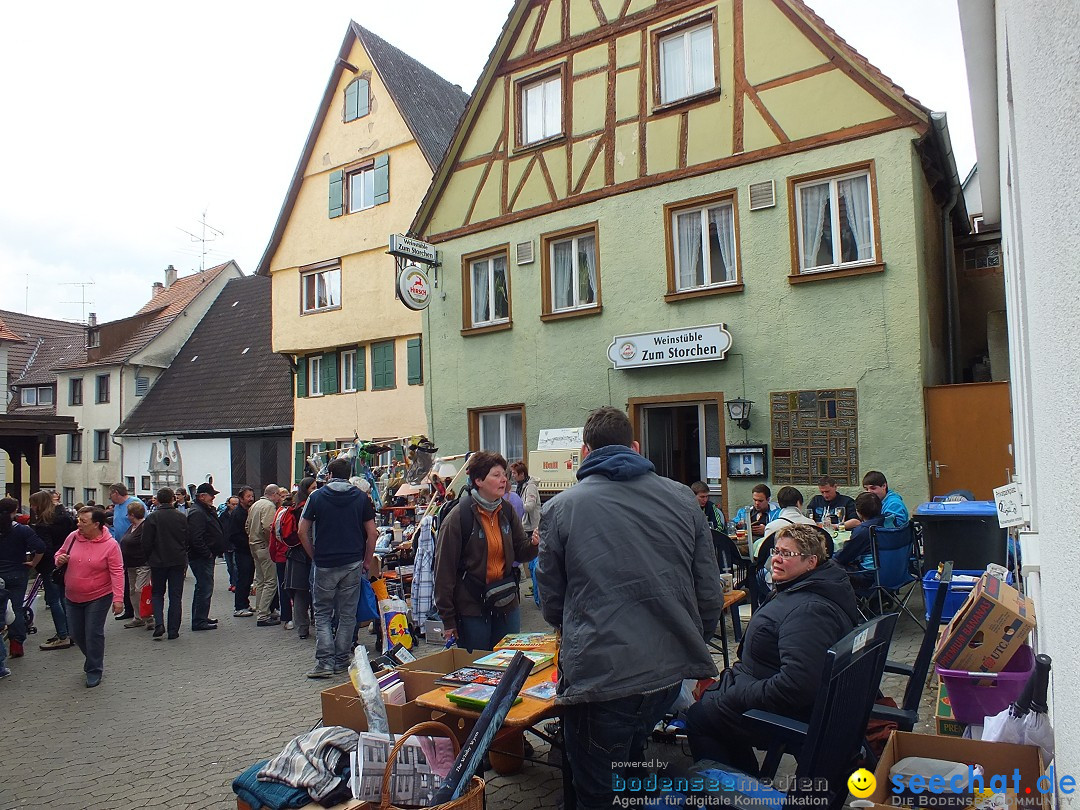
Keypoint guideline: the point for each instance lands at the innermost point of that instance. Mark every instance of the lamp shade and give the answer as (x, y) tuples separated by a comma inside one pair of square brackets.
[(738, 409)]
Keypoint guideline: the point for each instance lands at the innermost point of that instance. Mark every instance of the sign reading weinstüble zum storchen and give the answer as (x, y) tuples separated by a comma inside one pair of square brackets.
[(695, 344)]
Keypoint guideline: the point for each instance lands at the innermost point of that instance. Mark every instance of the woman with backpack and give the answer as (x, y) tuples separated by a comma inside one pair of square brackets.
[(52, 523), (294, 577)]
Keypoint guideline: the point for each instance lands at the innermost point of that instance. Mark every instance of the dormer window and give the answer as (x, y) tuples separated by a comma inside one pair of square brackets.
[(357, 99), (93, 338), (36, 396)]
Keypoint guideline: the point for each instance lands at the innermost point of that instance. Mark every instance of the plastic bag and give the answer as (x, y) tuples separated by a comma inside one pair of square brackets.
[(394, 614), (367, 687), (685, 698)]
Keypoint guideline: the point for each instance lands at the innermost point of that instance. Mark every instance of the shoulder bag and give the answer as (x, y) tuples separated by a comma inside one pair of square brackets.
[(57, 575)]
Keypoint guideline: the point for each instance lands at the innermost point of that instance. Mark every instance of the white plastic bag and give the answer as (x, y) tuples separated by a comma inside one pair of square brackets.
[(367, 687), (686, 696)]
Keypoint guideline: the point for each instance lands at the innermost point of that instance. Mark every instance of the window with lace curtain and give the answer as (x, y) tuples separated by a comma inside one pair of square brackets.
[(835, 222), (570, 273), (486, 280), (703, 246)]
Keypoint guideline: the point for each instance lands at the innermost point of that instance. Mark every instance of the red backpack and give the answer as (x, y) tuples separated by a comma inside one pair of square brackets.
[(284, 534)]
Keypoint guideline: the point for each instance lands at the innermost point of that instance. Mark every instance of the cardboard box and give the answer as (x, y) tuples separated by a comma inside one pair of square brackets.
[(442, 663), (997, 759), (342, 707), (985, 632), (947, 725)]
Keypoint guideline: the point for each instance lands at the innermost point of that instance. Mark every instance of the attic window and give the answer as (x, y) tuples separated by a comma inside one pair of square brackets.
[(36, 396), (142, 385), (93, 338), (356, 99)]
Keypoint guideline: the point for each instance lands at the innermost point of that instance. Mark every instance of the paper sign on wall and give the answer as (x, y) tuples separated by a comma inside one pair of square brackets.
[(1010, 510)]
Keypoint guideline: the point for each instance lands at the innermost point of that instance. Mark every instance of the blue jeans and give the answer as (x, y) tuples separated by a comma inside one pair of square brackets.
[(173, 577), (230, 563), (203, 570), (15, 579), (336, 591), (598, 735), (87, 621), (484, 632), (54, 598)]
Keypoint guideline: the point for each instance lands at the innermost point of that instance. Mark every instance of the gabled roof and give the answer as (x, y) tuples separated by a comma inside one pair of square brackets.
[(153, 318), (429, 104), (38, 347), (226, 378), (7, 334)]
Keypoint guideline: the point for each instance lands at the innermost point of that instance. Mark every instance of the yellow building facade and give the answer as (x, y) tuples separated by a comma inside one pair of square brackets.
[(357, 351)]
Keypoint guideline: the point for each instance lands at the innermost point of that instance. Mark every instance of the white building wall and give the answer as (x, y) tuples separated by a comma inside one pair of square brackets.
[(200, 459), (91, 416)]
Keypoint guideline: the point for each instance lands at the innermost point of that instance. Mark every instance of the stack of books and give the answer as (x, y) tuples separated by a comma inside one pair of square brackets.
[(546, 642), (500, 659)]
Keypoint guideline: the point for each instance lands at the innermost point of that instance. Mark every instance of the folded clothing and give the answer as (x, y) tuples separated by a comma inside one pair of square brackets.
[(313, 761), (273, 795)]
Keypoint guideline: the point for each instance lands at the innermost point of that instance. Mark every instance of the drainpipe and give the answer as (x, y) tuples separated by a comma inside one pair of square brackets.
[(112, 434), (952, 296)]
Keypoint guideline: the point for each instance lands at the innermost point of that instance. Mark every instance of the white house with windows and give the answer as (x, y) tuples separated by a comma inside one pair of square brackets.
[(123, 360)]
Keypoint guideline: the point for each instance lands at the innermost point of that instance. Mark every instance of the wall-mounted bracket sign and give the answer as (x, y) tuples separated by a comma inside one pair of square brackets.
[(695, 344), (408, 248), (414, 289)]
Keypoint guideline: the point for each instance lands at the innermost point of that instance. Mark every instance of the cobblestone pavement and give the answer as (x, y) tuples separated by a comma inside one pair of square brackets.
[(174, 722)]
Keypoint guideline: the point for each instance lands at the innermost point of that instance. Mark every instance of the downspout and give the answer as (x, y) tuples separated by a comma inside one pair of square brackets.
[(120, 421), (952, 295)]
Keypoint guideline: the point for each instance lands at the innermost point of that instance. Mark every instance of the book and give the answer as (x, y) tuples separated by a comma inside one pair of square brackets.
[(474, 695), (528, 641), (460, 677), (542, 691), (502, 658)]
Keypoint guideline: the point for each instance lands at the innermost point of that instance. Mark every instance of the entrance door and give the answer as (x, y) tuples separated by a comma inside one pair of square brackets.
[(970, 437), (672, 441)]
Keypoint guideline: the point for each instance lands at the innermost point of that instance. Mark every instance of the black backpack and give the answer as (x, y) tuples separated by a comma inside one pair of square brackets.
[(466, 517)]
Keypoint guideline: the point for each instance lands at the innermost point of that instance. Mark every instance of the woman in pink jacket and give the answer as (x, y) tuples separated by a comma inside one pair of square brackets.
[(93, 580)]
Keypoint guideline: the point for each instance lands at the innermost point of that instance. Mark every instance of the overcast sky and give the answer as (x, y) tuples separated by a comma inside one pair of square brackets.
[(124, 121)]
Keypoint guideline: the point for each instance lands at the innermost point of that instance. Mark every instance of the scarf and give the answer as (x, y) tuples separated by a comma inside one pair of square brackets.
[(483, 503)]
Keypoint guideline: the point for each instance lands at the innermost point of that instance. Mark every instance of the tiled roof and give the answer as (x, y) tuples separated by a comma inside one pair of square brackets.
[(164, 307), (7, 334), (43, 346), (226, 378), (430, 106)]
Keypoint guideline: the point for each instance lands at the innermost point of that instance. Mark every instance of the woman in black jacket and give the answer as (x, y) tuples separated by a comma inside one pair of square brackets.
[(782, 653), (53, 523)]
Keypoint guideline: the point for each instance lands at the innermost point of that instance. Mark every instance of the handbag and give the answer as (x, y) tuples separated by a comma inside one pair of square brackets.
[(367, 609), (57, 574)]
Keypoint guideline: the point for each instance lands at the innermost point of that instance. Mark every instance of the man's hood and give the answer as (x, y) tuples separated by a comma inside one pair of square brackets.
[(616, 461), (831, 581), (341, 491)]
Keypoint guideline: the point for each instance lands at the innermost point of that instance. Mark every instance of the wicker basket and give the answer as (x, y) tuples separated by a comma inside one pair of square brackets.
[(473, 799)]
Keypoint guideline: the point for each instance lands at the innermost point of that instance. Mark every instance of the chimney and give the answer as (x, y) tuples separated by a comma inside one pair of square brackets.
[(156, 288), (91, 320), (170, 276)]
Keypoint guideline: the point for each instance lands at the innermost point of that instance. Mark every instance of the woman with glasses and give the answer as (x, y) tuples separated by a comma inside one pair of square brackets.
[(782, 652)]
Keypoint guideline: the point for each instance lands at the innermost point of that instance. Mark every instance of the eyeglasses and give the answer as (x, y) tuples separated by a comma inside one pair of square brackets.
[(787, 555)]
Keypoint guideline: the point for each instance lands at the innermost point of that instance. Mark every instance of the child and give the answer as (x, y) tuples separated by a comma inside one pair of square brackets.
[(7, 615)]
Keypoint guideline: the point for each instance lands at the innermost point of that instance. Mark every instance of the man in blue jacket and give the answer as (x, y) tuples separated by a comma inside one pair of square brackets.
[(628, 573), (337, 529), (892, 505)]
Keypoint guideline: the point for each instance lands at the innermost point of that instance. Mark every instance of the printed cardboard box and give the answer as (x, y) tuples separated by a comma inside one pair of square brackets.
[(987, 630), (444, 662), (947, 725), (997, 760), (341, 706)]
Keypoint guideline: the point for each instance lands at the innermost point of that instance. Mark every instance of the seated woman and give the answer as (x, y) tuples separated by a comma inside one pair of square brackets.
[(782, 652), (857, 555)]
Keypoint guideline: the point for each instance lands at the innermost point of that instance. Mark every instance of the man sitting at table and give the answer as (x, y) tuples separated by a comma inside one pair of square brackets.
[(892, 505), (857, 555), (832, 502), (760, 512), (713, 516)]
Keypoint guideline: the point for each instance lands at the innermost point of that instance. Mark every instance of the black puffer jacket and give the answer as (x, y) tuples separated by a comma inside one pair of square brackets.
[(783, 652), (53, 535)]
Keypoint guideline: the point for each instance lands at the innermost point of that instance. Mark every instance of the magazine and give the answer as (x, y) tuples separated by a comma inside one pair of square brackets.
[(502, 658), (528, 641), (474, 696), (460, 677), (542, 691)]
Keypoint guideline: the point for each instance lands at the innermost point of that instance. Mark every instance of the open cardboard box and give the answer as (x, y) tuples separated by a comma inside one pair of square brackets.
[(997, 759), (341, 706), (442, 663), (947, 725), (988, 628)]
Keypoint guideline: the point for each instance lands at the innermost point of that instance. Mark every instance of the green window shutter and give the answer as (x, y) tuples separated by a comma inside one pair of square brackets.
[(416, 363), (299, 470), (301, 377), (330, 372), (382, 365), (351, 93), (361, 368), (382, 179), (363, 93), (337, 193)]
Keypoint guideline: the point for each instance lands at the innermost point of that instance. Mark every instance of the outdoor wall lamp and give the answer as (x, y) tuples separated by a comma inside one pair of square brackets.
[(738, 411)]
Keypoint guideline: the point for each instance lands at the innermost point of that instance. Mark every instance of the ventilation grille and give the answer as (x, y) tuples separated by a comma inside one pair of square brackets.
[(525, 253), (142, 385), (762, 195)]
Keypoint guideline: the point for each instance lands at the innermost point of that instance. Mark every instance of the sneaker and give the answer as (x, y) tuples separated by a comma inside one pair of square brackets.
[(289, 625), (173, 636), (211, 621), (92, 679), (321, 672), (302, 635), (339, 670), (135, 623), (15, 648), (271, 622), (159, 631), (207, 626), (275, 614), (56, 643), (4, 673), (123, 617), (243, 612)]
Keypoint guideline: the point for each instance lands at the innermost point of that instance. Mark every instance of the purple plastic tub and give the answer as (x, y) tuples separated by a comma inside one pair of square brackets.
[(977, 695)]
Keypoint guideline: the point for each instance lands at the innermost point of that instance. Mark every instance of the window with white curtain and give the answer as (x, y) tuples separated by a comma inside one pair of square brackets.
[(835, 222), (348, 371), (500, 432), (321, 290), (362, 189), (314, 385), (489, 290), (573, 273), (686, 60), (705, 246), (541, 109)]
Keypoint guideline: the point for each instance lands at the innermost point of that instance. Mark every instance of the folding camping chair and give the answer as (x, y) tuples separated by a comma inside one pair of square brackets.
[(895, 563)]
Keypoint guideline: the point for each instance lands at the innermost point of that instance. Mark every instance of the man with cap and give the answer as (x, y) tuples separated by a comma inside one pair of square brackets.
[(206, 539)]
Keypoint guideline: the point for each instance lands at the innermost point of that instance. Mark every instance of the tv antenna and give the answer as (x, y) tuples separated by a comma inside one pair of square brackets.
[(203, 239), (82, 302)]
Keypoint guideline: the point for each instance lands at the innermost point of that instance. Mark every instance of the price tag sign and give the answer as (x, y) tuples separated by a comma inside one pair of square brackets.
[(1009, 510)]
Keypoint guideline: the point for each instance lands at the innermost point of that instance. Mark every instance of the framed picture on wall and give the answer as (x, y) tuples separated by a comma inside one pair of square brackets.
[(747, 460)]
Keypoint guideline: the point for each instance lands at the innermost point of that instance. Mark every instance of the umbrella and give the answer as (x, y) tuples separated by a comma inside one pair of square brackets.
[(1025, 720)]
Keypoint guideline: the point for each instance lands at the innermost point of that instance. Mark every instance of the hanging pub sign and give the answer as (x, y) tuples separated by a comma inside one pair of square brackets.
[(408, 248), (414, 288), (695, 344)]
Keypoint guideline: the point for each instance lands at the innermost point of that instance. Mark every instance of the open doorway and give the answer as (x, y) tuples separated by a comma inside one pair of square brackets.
[(672, 439)]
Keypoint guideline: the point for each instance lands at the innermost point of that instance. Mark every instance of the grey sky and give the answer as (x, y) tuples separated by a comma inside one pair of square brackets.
[(125, 120)]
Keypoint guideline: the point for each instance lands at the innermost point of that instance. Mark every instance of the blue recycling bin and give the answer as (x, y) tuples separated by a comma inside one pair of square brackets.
[(965, 532)]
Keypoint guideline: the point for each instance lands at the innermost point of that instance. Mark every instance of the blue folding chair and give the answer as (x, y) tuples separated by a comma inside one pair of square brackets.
[(896, 563)]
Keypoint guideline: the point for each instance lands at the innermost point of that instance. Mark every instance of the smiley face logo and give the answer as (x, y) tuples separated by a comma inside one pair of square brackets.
[(861, 783)]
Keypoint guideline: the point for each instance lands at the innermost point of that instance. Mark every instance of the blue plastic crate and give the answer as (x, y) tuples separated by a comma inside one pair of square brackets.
[(958, 592)]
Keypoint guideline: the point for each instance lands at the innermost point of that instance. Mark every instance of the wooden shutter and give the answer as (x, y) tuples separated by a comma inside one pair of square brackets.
[(416, 363), (298, 471), (301, 377), (330, 372), (350, 101), (361, 368), (337, 193), (363, 92), (382, 179), (382, 365)]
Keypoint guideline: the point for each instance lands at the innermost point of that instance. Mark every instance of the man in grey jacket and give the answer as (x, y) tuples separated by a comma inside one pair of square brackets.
[(627, 570)]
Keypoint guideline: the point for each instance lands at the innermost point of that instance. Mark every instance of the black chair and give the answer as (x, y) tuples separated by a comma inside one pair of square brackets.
[(907, 715), (826, 747), (743, 571)]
